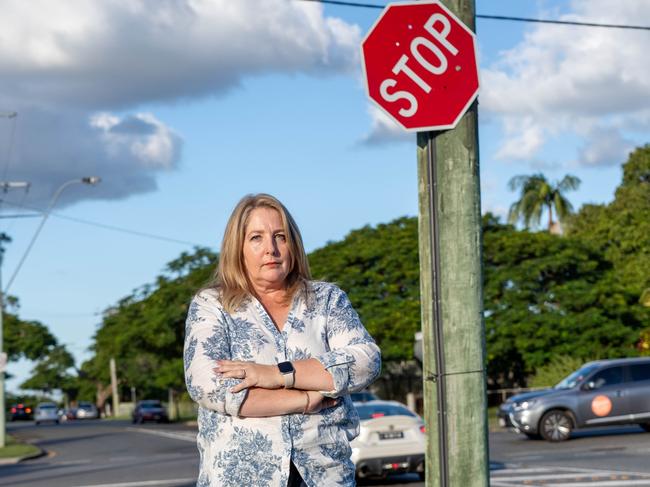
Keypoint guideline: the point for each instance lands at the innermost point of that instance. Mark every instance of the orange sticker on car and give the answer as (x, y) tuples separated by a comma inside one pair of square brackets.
[(601, 406)]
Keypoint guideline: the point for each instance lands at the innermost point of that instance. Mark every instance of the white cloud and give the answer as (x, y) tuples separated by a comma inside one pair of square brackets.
[(604, 146), (68, 67), (384, 129), (560, 78), (524, 138)]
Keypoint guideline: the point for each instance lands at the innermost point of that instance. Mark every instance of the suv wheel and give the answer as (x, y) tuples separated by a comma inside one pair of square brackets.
[(556, 425)]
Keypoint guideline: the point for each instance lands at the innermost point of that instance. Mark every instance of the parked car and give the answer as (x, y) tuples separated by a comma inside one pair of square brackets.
[(149, 410), (391, 440), (20, 412), (86, 410), (600, 393), (363, 396), (46, 411)]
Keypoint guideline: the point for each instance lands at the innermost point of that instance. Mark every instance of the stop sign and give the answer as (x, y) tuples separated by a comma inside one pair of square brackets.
[(420, 65)]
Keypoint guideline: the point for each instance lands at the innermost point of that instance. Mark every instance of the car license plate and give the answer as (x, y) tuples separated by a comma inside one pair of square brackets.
[(391, 435)]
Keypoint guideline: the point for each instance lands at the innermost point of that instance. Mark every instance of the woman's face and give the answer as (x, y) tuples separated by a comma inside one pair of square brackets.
[(266, 255)]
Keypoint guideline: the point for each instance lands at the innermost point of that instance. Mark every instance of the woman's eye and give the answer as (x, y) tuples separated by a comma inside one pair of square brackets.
[(256, 238), (281, 237)]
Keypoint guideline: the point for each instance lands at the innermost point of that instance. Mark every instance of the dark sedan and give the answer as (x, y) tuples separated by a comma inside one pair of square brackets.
[(20, 412), (149, 410)]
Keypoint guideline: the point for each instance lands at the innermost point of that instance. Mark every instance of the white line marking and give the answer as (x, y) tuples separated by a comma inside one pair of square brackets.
[(143, 483), (605, 483), (189, 436)]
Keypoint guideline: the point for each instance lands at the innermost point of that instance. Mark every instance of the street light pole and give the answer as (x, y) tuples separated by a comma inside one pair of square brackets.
[(3, 358), (6, 186), (92, 180)]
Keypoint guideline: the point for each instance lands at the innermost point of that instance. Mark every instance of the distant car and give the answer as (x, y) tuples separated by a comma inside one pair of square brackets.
[(46, 411), (600, 393), (20, 412), (392, 440), (86, 410), (149, 410), (363, 396)]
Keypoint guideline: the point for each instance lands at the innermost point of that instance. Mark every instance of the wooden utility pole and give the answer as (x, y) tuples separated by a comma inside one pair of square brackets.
[(451, 294), (116, 397)]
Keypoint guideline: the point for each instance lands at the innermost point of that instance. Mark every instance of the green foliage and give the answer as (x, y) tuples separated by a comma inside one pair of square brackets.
[(620, 231), (52, 372), (554, 371), (25, 339), (546, 295), (538, 194), (378, 268)]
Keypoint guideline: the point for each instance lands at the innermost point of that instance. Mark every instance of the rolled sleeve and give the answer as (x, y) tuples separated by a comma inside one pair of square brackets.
[(206, 341), (354, 360)]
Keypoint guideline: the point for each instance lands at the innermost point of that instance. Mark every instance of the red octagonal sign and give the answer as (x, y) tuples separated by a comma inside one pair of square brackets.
[(420, 65)]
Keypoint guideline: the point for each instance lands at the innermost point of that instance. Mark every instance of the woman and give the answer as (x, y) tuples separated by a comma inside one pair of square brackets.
[(270, 357)]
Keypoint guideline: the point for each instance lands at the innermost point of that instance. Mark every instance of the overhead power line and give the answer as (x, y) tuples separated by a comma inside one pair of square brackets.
[(107, 227), (496, 17)]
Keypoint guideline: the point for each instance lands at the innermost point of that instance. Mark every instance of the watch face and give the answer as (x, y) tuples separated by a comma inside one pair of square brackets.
[(285, 367)]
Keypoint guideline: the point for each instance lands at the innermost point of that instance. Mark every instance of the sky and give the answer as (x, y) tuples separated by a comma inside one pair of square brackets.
[(184, 106)]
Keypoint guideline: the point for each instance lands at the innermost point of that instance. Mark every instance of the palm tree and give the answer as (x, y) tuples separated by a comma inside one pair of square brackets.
[(538, 194)]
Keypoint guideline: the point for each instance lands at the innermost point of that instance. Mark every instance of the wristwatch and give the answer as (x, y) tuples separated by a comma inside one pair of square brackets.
[(288, 374)]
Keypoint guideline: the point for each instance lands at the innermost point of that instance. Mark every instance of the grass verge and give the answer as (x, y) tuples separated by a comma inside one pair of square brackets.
[(14, 448)]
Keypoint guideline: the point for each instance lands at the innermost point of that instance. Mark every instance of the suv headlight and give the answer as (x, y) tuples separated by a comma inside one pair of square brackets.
[(523, 405)]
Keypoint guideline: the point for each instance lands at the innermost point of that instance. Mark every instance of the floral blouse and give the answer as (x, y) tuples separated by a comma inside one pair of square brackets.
[(236, 451)]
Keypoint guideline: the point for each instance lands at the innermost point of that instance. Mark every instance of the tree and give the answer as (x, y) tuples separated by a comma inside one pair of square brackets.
[(52, 372), (378, 268), (546, 296), (538, 194)]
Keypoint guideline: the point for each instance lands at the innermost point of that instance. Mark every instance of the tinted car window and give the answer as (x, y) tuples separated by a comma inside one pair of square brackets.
[(607, 377), (367, 411), (576, 377), (640, 372)]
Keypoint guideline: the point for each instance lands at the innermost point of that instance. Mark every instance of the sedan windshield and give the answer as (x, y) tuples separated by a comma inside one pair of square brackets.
[(576, 377)]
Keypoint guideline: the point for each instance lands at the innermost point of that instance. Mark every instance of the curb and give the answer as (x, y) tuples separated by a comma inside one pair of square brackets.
[(15, 460)]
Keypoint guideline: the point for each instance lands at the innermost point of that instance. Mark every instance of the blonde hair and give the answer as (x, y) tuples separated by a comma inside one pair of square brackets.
[(231, 278)]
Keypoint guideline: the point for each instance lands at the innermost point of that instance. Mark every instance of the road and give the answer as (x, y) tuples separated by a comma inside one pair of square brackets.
[(106, 453), (118, 454)]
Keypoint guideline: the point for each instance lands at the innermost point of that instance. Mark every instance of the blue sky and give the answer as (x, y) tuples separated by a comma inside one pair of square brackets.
[(184, 107)]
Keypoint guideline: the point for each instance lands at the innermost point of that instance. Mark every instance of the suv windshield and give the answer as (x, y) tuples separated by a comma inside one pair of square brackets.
[(576, 377)]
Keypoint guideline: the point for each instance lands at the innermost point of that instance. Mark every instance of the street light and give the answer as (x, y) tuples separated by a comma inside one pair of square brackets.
[(92, 180)]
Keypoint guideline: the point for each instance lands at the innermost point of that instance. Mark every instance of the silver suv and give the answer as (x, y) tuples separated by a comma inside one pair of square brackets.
[(604, 392)]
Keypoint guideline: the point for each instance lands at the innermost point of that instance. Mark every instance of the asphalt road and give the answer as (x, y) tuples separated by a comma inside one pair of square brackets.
[(104, 453), (117, 454)]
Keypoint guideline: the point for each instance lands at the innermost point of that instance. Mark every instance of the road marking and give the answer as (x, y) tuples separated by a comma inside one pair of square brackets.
[(570, 477), (144, 483), (188, 436)]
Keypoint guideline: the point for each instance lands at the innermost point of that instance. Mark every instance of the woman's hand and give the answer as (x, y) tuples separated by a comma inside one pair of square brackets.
[(252, 374)]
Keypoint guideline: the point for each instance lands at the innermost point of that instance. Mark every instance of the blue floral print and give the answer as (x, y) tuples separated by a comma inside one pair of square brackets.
[(236, 451)]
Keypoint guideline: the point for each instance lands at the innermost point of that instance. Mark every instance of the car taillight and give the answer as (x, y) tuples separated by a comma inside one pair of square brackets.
[(28, 410), (13, 410), (423, 429), (377, 415)]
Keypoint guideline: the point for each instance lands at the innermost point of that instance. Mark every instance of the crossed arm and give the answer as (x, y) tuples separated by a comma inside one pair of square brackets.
[(217, 383)]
